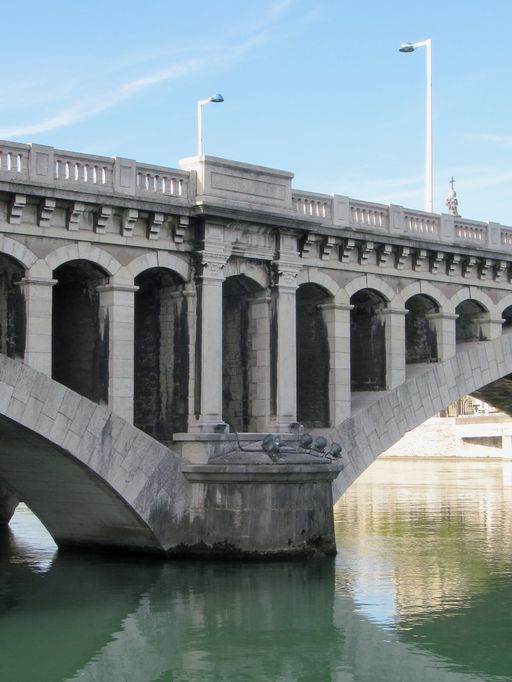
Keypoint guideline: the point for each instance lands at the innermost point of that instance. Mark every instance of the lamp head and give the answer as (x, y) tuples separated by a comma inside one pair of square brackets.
[(216, 98), (406, 47)]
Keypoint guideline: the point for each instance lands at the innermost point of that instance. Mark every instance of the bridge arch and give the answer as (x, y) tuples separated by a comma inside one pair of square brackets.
[(315, 363), (252, 271), (245, 332), (18, 251), (478, 367), (427, 289), (161, 344), (80, 329), (477, 295), (92, 478), (371, 282), (311, 276), (160, 259), (83, 251)]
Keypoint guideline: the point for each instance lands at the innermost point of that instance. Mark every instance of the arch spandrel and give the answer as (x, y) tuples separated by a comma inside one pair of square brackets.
[(313, 276)]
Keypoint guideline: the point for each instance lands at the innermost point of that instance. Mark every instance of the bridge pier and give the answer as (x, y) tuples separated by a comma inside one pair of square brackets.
[(8, 503)]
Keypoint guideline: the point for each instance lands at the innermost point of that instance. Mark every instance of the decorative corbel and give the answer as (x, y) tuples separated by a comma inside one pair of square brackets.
[(365, 250), (402, 254), (347, 246), (103, 215), (383, 254), (327, 246), (419, 258), (155, 222), (45, 211), (129, 220), (484, 265), (16, 206), (74, 216), (452, 262), (500, 267), (438, 257), (180, 227)]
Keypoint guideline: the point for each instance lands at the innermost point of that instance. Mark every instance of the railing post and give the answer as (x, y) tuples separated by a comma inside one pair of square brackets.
[(447, 228), (124, 176)]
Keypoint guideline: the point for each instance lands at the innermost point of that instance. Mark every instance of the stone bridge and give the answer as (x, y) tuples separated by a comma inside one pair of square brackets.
[(148, 313)]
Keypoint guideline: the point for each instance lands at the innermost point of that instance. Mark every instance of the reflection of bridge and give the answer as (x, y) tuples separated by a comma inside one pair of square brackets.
[(185, 300)]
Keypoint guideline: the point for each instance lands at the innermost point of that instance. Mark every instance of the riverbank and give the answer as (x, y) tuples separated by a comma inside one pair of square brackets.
[(442, 437)]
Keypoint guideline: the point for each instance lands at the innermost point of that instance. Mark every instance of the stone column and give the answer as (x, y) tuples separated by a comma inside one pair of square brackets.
[(394, 321), (208, 351), (259, 369), (444, 326), (337, 320), (283, 349), (117, 306), (37, 292)]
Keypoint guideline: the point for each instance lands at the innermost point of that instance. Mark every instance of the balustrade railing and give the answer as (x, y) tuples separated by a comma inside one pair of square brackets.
[(366, 215), (38, 164), (471, 231), (308, 205), (153, 180), (421, 224)]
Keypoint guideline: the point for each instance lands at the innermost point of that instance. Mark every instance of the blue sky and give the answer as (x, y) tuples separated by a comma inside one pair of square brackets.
[(318, 88)]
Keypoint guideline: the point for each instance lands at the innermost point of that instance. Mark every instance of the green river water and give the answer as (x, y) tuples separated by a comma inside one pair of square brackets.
[(421, 591)]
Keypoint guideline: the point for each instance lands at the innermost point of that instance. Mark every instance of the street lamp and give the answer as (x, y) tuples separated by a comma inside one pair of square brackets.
[(215, 99), (410, 47)]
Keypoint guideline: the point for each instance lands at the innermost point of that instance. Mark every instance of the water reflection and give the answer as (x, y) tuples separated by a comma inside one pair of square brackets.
[(419, 590)]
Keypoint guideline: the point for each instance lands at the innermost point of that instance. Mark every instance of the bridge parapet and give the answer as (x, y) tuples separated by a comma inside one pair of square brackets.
[(233, 185)]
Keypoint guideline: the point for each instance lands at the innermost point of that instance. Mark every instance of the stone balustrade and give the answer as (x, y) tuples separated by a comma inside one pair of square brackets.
[(217, 180)]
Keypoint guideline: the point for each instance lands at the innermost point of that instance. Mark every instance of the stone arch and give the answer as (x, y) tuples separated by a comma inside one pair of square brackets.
[(253, 271), (474, 294), (131, 492), (313, 276), (161, 345), (18, 251), (83, 251), (153, 259), (371, 282), (481, 364), (245, 332), (81, 329), (504, 303), (314, 340), (368, 342), (427, 289)]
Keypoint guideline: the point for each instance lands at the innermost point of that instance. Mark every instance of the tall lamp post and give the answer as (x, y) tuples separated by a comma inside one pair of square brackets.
[(215, 100), (410, 47)]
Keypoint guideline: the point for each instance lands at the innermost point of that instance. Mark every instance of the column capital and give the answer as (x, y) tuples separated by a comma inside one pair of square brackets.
[(336, 306), (210, 266), (441, 316), (285, 274), (393, 311)]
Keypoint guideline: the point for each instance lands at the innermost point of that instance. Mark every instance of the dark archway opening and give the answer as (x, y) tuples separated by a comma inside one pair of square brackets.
[(469, 323), (12, 309), (420, 334), (367, 342), (238, 351), (313, 357), (161, 361), (80, 340)]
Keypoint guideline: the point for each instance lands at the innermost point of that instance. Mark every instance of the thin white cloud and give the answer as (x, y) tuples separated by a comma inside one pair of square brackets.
[(219, 55)]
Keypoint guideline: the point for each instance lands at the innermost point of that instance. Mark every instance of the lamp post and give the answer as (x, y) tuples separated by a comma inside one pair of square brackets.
[(410, 47), (214, 99)]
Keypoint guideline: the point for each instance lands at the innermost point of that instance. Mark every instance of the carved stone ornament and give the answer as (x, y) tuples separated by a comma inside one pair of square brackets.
[(16, 206), (45, 211), (74, 216)]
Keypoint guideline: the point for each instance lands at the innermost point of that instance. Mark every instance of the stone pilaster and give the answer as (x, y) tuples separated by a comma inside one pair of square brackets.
[(283, 349), (117, 307), (337, 320), (208, 355), (444, 326), (394, 321), (37, 292)]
